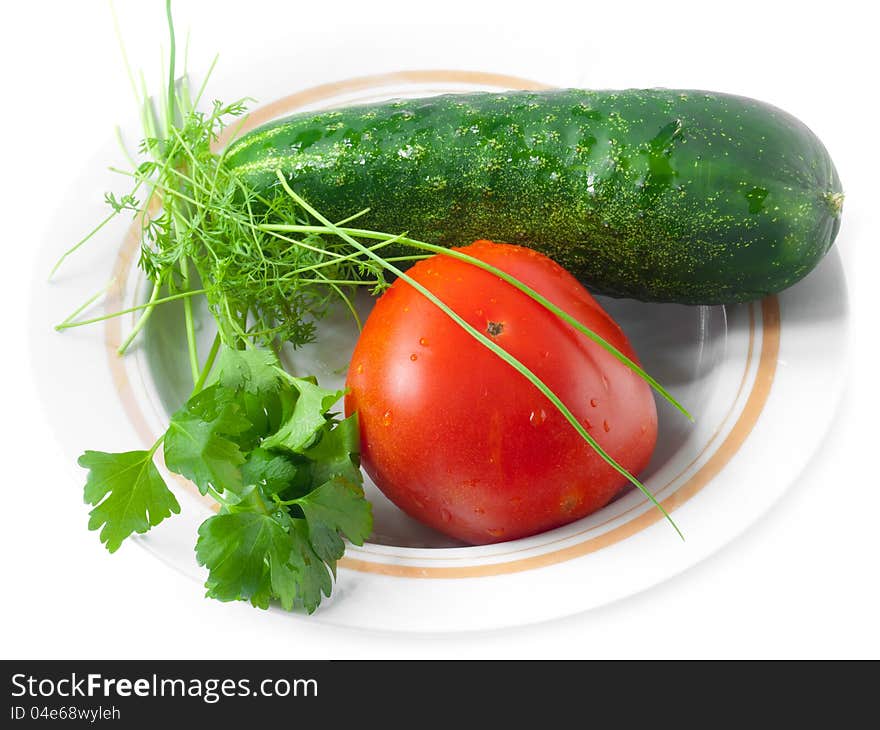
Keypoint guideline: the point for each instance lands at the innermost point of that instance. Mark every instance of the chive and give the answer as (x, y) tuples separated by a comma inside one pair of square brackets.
[(488, 343), (525, 288)]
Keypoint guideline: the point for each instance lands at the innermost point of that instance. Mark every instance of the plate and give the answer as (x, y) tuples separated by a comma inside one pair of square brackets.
[(748, 372)]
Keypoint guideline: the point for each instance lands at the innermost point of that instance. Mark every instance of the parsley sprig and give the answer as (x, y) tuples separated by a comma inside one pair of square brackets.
[(284, 469), (265, 445)]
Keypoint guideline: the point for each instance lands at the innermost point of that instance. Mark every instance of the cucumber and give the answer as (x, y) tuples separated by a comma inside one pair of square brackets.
[(658, 194)]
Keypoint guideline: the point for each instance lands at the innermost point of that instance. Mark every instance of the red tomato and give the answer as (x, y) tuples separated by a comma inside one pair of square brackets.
[(464, 443)]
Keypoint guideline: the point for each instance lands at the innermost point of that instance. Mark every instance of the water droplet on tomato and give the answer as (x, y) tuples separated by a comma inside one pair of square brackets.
[(605, 383), (413, 357), (360, 368), (496, 531), (479, 312), (537, 417), (423, 341), (386, 418), (445, 515), (479, 510), (587, 424), (594, 402), (606, 426)]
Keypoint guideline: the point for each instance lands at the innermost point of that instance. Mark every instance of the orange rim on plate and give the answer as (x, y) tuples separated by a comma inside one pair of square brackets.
[(757, 397)]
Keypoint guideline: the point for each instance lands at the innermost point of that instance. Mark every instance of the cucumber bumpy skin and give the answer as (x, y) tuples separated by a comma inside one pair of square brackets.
[(658, 194)]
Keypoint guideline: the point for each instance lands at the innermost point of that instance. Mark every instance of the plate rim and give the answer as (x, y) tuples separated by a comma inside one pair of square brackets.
[(752, 485)]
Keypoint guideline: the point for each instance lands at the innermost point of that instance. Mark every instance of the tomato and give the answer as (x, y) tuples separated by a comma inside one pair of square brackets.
[(464, 443)]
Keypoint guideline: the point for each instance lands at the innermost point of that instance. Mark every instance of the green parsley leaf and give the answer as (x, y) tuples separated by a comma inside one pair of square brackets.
[(254, 557), (217, 402), (284, 581), (255, 371), (336, 454), (256, 408), (298, 432), (237, 549), (336, 507), (128, 493), (312, 577), (196, 443), (284, 469), (273, 472)]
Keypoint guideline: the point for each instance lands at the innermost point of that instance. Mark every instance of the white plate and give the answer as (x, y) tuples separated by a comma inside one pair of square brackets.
[(748, 373)]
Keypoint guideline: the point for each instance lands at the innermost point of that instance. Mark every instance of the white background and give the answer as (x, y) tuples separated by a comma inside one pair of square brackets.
[(801, 582)]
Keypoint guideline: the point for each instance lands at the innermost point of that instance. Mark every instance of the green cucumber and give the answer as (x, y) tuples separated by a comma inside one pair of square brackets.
[(658, 194)]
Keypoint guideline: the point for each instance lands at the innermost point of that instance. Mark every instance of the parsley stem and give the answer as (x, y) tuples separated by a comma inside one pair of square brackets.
[(286, 502), (216, 496), (155, 446)]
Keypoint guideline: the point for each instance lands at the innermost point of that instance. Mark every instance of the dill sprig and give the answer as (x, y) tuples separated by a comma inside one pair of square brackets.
[(204, 233)]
